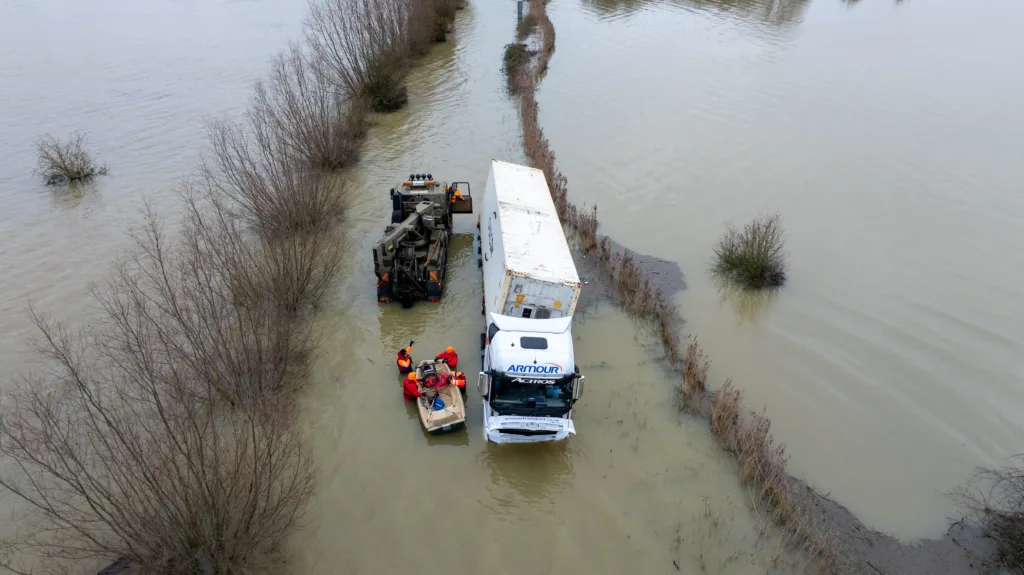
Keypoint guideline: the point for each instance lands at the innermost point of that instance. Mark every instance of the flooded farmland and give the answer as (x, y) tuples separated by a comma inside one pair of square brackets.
[(886, 135)]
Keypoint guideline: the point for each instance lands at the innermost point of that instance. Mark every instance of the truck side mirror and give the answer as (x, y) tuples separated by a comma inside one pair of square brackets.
[(481, 384), (577, 390)]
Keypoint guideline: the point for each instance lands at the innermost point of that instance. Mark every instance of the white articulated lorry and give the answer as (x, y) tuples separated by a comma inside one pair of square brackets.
[(529, 382)]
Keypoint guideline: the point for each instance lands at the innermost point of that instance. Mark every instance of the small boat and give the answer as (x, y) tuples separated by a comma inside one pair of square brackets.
[(452, 416)]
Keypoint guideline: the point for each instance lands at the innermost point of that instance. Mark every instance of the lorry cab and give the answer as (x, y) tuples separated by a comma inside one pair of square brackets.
[(529, 381)]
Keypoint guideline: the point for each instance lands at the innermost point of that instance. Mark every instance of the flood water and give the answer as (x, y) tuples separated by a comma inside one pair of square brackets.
[(635, 491), (886, 135)]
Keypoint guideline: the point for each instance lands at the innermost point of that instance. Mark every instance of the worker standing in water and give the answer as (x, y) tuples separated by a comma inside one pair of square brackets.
[(449, 356), (404, 360), (411, 387)]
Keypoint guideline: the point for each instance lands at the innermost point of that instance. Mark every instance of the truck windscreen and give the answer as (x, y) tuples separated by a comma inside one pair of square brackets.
[(519, 395)]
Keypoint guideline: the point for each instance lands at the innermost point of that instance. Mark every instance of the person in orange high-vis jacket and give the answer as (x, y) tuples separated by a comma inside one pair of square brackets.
[(459, 381), (449, 356), (411, 387), (404, 361)]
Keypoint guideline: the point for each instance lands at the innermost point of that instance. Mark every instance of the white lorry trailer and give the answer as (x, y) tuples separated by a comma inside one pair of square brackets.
[(529, 382), (528, 269)]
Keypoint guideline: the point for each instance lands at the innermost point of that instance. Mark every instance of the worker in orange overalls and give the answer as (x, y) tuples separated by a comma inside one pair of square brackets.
[(404, 360), (459, 381), (411, 387), (453, 194), (449, 356)]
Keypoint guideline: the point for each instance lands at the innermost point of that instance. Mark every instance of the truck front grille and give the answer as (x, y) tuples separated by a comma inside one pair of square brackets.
[(527, 431)]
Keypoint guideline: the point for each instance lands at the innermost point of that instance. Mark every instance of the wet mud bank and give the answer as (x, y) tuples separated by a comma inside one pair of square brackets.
[(663, 274), (817, 525)]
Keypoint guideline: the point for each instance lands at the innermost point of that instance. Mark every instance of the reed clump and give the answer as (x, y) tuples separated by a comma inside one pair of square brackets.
[(762, 465), (527, 26), (65, 162), (753, 257), (696, 366), (995, 499), (547, 40)]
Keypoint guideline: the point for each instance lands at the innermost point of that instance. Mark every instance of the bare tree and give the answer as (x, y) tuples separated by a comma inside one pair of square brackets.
[(253, 172), (264, 271), (317, 124), (124, 445), (365, 45)]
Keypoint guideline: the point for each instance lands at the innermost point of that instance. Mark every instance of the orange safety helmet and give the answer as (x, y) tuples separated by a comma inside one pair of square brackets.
[(450, 349)]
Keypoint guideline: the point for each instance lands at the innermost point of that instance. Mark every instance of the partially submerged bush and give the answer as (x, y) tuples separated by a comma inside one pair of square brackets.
[(517, 55), (365, 46), (547, 37), (317, 126), (65, 162), (996, 499), (444, 18), (385, 86), (753, 258)]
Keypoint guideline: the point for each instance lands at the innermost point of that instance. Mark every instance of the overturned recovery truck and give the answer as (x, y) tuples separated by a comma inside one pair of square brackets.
[(410, 260)]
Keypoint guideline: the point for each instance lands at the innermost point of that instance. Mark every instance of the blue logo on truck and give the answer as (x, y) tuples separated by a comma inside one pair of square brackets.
[(543, 368)]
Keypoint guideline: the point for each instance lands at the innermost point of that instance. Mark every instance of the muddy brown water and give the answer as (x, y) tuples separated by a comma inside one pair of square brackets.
[(890, 364), (888, 135)]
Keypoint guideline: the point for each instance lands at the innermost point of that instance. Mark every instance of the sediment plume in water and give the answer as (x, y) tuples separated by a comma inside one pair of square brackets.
[(832, 538), (162, 436)]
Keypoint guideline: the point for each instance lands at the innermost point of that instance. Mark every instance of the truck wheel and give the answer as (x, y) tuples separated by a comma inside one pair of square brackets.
[(483, 341)]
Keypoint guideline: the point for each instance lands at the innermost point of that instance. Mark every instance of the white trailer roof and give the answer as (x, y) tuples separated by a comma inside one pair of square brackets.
[(530, 230)]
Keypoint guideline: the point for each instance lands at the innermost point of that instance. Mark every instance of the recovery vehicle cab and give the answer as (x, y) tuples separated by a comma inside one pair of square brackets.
[(410, 259)]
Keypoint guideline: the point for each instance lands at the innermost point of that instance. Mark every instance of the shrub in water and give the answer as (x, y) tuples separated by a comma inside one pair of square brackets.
[(753, 257), (516, 56), (65, 162)]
